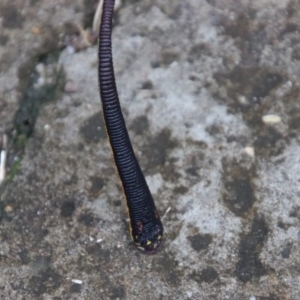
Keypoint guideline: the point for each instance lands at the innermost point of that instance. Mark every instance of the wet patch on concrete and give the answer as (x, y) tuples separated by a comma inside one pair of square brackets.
[(166, 266), (36, 95), (40, 81), (208, 275), (45, 282), (176, 226), (250, 91), (271, 297), (93, 129), (254, 83), (6, 60), (156, 151), (180, 190), (24, 257), (3, 39), (238, 186), (117, 292), (12, 18), (140, 125), (249, 34), (249, 265)]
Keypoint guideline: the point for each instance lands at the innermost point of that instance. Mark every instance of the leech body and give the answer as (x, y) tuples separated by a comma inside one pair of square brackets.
[(145, 224)]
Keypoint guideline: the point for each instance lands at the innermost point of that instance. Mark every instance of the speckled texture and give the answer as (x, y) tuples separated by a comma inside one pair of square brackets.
[(195, 79)]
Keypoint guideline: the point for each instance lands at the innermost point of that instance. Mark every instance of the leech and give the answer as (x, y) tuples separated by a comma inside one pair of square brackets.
[(145, 225)]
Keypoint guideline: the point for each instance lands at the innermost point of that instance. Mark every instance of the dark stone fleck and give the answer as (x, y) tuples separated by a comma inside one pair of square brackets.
[(269, 142), (97, 185), (200, 241), (117, 203), (147, 85), (209, 275), (295, 212), (193, 171), (180, 190), (117, 292), (285, 253), (168, 57), (87, 219), (155, 64), (75, 288), (197, 51), (67, 208), (249, 264)]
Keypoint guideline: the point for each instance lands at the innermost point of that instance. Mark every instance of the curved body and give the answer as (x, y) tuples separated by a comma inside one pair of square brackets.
[(145, 224)]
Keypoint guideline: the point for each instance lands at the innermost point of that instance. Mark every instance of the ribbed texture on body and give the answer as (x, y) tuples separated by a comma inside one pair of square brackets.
[(145, 222)]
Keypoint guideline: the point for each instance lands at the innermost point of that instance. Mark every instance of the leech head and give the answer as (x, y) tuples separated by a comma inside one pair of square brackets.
[(150, 242)]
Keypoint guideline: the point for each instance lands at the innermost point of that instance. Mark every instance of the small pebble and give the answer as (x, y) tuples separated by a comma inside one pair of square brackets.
[(271, 119), (249, 151), (40, 68), (70, 49), (70, 87), (77, 281), (242, 100), (46, 127), (35, 30), (8, 208)]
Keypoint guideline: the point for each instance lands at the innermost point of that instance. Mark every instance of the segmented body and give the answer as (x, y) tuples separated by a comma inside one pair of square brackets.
[(145, 224)]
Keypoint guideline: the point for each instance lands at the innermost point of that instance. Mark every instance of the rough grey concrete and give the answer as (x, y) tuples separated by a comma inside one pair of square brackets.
[(195, 79)]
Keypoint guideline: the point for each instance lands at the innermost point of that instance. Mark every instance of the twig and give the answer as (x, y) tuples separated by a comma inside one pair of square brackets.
[(3, 159), (97, 17), (98, 13), (167, 211)]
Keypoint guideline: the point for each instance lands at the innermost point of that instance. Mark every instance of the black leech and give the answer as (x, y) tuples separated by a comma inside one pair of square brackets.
[(146, 226)]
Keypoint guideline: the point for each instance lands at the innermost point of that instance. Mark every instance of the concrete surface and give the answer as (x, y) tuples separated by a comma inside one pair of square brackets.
[(195, 80)]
